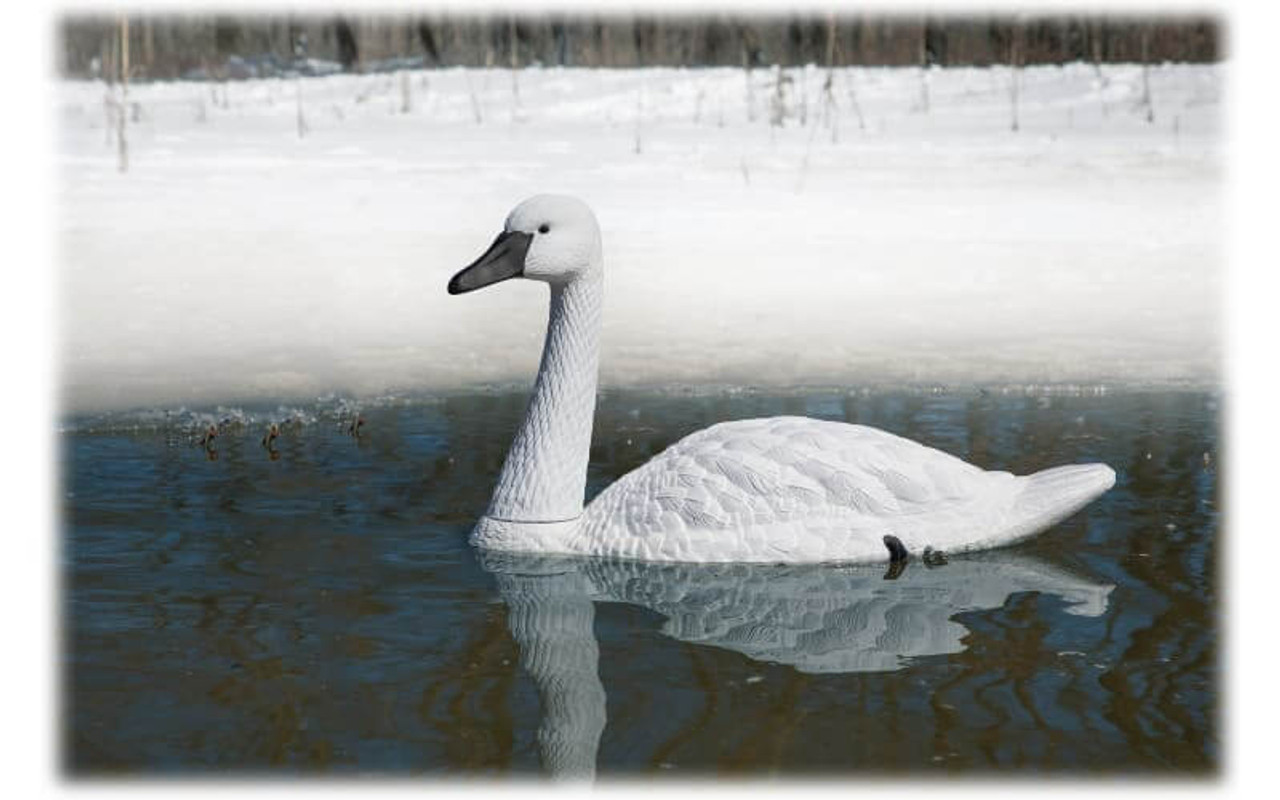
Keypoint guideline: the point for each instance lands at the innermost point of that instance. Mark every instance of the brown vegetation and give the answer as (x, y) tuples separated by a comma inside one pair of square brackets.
[(169, 46)]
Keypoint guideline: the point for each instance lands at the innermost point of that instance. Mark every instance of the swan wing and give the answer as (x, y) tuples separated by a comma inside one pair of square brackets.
[(787, 488)]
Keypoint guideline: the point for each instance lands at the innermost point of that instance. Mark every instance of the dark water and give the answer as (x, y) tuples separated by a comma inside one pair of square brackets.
[(320, 610)]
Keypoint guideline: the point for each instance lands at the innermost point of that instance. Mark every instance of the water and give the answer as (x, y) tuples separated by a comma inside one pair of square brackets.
[(317, 608)]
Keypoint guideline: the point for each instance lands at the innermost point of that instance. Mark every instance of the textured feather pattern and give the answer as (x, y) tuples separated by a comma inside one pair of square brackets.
[(544, 476), (791, 489), (795, 490), (784, 489)]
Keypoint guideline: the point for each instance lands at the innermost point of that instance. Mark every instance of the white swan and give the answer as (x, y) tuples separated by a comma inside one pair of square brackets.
[(783, 489)]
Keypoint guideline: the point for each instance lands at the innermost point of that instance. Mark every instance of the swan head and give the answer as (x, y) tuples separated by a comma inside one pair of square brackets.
[(550, 238)]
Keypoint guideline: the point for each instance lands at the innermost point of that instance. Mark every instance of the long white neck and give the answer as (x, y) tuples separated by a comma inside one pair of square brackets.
[(545, 475)]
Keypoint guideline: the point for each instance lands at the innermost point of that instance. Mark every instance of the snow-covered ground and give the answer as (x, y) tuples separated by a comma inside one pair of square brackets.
[(905, 235)]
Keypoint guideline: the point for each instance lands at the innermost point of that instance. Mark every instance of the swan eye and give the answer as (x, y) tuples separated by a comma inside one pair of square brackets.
[(544, 228)]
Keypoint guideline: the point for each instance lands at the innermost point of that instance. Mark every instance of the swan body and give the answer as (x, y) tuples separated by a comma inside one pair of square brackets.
[(780, 490)]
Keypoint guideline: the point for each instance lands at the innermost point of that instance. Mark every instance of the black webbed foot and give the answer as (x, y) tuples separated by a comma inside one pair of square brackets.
[(897, 551), (933, 558), (897, 557)]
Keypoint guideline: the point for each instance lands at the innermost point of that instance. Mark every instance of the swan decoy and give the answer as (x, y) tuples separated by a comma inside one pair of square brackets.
[(781, 489)]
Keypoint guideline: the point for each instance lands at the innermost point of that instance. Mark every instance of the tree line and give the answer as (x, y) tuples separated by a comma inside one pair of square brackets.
[(171, 46)]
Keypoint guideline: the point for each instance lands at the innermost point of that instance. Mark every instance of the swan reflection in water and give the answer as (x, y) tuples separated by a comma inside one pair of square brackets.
[(816, 618)]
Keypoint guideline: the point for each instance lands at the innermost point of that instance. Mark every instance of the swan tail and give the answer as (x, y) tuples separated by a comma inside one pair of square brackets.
[(1050, 496)]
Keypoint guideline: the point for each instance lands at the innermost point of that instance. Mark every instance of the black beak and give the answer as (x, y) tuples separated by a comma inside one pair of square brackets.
[(504, 259)]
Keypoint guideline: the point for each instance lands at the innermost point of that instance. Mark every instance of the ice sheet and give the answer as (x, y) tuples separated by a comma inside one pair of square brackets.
[(882, 239)]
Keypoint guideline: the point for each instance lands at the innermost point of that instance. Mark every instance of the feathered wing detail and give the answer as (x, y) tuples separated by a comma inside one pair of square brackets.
[(800, 489), (1051, 495)]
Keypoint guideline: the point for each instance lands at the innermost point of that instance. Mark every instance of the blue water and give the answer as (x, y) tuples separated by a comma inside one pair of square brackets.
[(315, 606)]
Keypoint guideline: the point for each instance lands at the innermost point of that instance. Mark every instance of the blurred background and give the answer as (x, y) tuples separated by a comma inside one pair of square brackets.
[(270, 205), (206, 46), (999, 235)]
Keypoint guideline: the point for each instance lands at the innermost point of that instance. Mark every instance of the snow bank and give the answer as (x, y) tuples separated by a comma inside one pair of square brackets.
[(904, 234)]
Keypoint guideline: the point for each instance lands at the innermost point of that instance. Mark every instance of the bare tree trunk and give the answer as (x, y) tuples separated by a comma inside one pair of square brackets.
[(514, 61), (804, 97), (1095, 28), (1015, 69), (121, 116), (853, 101), (1145, 38), (149, 45), (1095, 45), (778, 105), (475, 99), (923, 57), (109, 71), (302, 120), (513, 44), (639, 116), (299, 53), (828, 93)]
